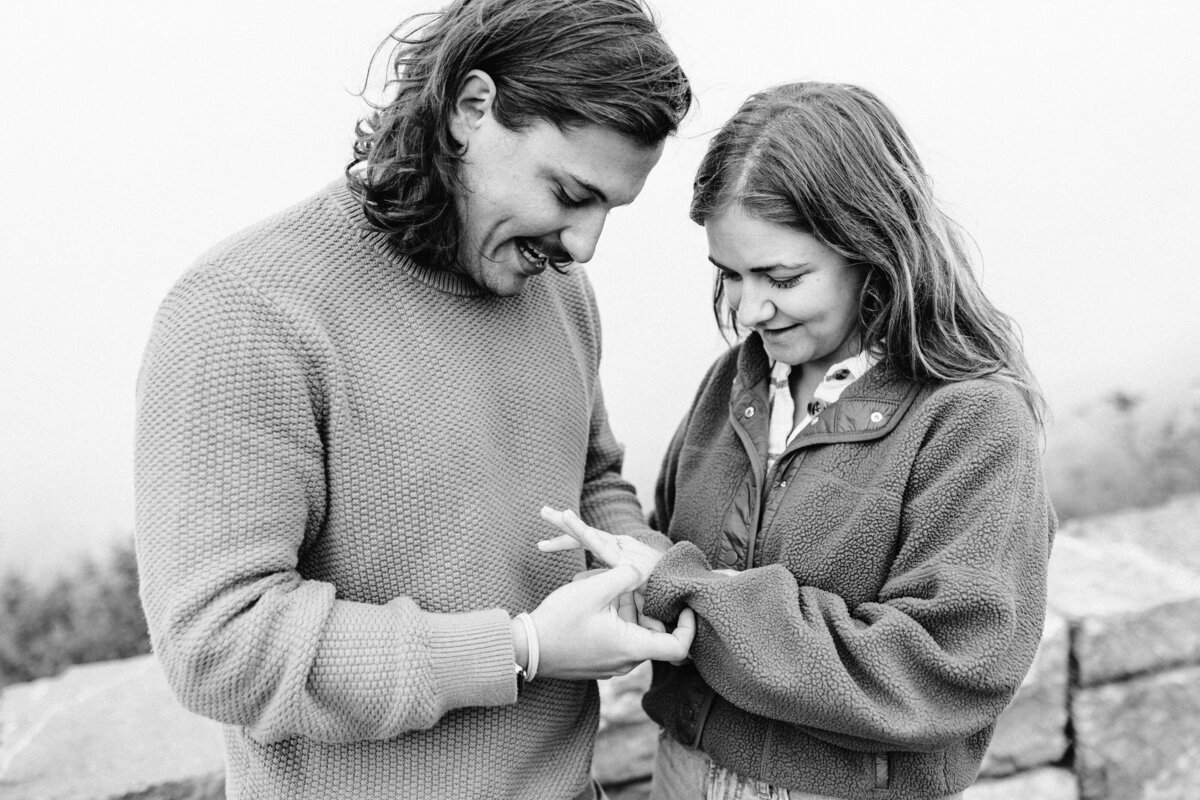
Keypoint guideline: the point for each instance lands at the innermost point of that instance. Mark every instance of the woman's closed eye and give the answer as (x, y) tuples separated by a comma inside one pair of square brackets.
[(785, 283)]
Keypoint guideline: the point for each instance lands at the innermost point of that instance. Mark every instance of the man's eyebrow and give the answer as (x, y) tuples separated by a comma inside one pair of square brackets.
[(764, 268), (587, 187)]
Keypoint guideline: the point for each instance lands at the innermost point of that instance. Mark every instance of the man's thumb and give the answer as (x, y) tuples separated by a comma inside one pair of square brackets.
[(621, 579)]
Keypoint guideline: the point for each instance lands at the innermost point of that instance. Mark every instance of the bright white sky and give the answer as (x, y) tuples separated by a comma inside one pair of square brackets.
[(1064, 136)]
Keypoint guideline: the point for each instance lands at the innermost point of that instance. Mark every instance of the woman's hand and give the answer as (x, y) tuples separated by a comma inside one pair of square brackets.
[(613, 550)]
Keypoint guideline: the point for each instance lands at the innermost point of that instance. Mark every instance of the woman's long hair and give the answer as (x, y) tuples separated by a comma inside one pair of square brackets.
[(566, 62), (831, 160)]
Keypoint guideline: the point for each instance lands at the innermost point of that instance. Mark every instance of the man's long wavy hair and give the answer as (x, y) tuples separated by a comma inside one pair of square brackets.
[(567, 62), (832, 161)]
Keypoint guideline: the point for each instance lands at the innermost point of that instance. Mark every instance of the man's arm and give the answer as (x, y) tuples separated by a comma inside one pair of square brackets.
[(231, 487), (608, 501), (230, 484)]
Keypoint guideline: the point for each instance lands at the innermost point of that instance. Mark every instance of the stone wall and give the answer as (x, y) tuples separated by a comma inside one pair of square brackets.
[(1109, 711)]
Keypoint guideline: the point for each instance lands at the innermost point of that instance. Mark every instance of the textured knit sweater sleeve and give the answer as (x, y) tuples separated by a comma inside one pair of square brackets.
[(230, 476), (607, 500), (940, 651)]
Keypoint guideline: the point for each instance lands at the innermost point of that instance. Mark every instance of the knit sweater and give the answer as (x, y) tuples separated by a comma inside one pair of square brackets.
[(893, 586), (340, 461)]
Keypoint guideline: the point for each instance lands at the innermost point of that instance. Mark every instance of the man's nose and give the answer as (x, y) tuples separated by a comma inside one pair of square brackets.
[(582, 233)]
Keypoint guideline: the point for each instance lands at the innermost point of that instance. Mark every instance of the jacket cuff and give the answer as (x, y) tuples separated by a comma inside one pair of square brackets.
[(674, 579)]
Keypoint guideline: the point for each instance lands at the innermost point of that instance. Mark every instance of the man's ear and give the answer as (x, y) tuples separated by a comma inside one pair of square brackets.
[(473, 105)]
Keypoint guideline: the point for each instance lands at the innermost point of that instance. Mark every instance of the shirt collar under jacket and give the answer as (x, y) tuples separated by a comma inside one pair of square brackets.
[(867, 408), (837, 378)]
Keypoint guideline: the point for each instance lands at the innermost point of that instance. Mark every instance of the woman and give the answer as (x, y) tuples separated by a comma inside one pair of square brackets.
[(855, 499)]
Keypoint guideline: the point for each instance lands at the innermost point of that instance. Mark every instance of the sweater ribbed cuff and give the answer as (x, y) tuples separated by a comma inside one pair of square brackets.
[(472, 658)]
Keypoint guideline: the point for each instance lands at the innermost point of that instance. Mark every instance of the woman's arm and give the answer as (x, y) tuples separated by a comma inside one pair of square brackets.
[(956, 623)]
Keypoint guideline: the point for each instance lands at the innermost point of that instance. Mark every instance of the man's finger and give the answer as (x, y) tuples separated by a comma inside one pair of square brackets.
[(588, 573), (685, 626), (627, 608), (672, 647), (649, 623), (684, 633), (612, 583)]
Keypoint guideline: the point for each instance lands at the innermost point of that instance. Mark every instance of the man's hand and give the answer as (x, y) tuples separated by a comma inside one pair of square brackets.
[(582, 636), (629, 605), (611, 550)]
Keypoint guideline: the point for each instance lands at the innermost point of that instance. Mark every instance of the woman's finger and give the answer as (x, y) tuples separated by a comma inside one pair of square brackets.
[(564, 541), (600, 543), (603, 544)]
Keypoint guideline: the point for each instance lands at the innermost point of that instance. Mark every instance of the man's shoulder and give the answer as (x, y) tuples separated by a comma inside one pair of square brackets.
[(282, 265), (306, 230)]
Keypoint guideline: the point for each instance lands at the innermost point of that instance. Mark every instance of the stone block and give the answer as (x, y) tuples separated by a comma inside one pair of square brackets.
[(1032, 731), (1139, 739), (107, 730), (621, 697), (1047, 783), (1129, 611), (628, 739), (625, 753)]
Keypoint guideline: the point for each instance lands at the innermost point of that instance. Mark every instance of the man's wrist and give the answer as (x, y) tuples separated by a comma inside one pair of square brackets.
[(532, 648), (520, 643)]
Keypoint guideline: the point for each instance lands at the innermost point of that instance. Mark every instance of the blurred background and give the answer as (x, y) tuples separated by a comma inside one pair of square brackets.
[(1064, 138)]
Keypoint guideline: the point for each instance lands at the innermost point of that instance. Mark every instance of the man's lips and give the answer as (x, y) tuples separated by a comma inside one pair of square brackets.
[(539, 256)]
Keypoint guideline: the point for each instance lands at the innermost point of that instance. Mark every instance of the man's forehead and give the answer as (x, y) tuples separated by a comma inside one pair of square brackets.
[(602, 162)]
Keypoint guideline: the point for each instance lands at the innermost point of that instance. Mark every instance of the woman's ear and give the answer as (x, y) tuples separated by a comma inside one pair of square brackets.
[(473, 105)]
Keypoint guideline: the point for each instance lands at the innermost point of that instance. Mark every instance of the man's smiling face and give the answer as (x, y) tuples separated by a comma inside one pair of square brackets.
[(539, 195)]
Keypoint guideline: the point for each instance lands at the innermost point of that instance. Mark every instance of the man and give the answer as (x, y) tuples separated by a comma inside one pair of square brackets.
[(350, 414)]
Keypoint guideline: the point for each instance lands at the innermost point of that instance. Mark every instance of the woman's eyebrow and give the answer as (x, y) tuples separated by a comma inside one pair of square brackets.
[(764, 268)]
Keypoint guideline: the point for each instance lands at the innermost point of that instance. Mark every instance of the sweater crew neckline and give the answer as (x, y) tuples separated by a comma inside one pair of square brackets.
[(443, 281)]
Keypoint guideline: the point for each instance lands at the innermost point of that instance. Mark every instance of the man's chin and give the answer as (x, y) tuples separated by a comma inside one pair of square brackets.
[(510, 286), (495, 278)]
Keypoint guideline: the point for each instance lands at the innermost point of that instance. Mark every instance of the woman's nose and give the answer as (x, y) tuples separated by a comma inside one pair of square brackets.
[(754, 306)]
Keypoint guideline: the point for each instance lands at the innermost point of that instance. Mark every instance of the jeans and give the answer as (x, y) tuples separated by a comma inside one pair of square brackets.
[(681, 773)]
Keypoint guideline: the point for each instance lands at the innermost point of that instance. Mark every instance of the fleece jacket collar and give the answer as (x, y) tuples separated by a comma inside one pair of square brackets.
[(869, 408)]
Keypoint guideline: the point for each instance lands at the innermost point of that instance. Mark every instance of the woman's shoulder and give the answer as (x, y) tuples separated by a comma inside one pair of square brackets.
[(723, 371), (978, 402)]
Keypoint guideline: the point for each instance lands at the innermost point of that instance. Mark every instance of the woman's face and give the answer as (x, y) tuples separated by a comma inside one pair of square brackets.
[(801, 296)]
